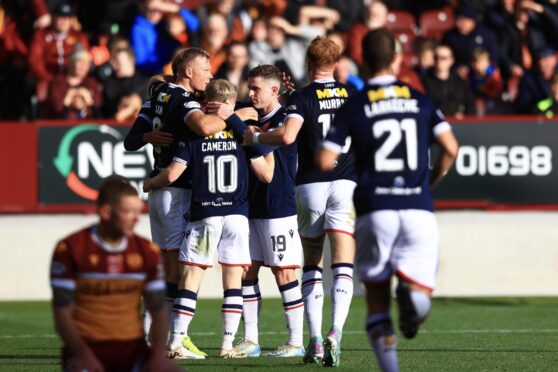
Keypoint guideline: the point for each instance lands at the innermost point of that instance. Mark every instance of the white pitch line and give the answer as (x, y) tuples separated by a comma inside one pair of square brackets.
[(448, 331)]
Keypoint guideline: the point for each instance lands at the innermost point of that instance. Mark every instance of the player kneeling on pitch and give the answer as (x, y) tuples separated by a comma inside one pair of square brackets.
[(392, 126), (98, 276), (218, 218)]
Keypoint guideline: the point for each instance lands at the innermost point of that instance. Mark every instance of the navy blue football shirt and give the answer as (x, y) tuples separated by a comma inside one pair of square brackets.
[(392, 127), (275, 199), (316, 105)]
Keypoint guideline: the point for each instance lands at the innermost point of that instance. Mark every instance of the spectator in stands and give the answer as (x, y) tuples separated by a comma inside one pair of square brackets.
[(104, 71), (284, 47), (51, 47), (484, 76), (486, 83), (20, 20), (549, 106), (375, 17), (235, 69), (522, 28), (152, 45), (74, 95), (425, 56), (404, 73), (467, 35), (238, 21), (125, 89), (347, 11), (215, 40), (510, 27), (346, 72), (534, 84), (448, 91)]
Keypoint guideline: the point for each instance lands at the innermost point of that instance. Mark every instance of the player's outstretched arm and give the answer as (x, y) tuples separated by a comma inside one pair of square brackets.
[(205, 124), (282, 136), (83, 357), (264, 167), (166, 177), (448, 153)]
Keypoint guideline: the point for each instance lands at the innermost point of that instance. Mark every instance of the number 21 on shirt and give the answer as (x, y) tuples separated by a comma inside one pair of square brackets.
[(397, 130)]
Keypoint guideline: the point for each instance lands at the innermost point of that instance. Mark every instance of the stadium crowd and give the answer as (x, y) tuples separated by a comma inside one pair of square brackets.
[(92, 59)]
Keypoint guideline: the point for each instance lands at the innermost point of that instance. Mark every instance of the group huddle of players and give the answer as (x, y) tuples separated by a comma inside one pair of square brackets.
[(263, 186)]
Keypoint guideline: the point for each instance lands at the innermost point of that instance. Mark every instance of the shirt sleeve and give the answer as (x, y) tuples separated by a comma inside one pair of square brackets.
[(339, 130), (62, 268), (143, 124), (295, 106), (438, 122), (187, 107), (184, 151)]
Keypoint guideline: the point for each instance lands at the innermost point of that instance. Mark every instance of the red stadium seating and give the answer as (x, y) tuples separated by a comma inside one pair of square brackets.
[(434, 23), (406, 39), (401, 21)]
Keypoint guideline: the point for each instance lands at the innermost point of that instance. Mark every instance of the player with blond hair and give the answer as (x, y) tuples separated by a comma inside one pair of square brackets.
[(218, 218)]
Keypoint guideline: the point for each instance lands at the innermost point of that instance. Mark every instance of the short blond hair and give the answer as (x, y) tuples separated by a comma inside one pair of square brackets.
[(220, 90), (184, 58)]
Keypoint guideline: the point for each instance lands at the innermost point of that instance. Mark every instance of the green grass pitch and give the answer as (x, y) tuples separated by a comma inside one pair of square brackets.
[(470, 334)]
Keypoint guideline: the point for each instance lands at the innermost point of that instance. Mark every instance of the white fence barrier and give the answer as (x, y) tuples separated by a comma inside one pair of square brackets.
[(482, 254)]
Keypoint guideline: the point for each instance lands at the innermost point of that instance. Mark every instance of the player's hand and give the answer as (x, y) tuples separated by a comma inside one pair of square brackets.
[(158, 138), (287, 82), (220, 109), (247, 113), (147, 186), (85, 362), (248, 134), (43, 21)]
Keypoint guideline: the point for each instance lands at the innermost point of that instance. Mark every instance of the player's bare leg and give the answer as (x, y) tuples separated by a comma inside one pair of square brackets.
[(180, 346), (231, 310), (251, 306), (342, 258), (170, 264), (294, 312), (313, 296), (414, 303), (379, 326)]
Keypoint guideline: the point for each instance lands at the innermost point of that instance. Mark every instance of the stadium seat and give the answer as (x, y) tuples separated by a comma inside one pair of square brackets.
[(401, 21), (434, 23), (407, 40)]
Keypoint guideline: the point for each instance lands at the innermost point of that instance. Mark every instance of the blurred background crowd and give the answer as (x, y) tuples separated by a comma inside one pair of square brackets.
[(91, 59)]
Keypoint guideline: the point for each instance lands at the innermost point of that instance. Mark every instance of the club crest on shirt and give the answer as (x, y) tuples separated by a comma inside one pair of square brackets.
[(93, 259), (61, 247), (134, 261), (115, 263)]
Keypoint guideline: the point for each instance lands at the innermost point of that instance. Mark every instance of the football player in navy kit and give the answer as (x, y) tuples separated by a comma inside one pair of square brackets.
[(392, 126), (218, 218), (274, 239), (174, 111), (323, 199)]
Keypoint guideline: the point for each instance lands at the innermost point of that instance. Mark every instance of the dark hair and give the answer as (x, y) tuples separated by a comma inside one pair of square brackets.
[(184, 58), (269, 72), (378, 49), (113, 189)]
